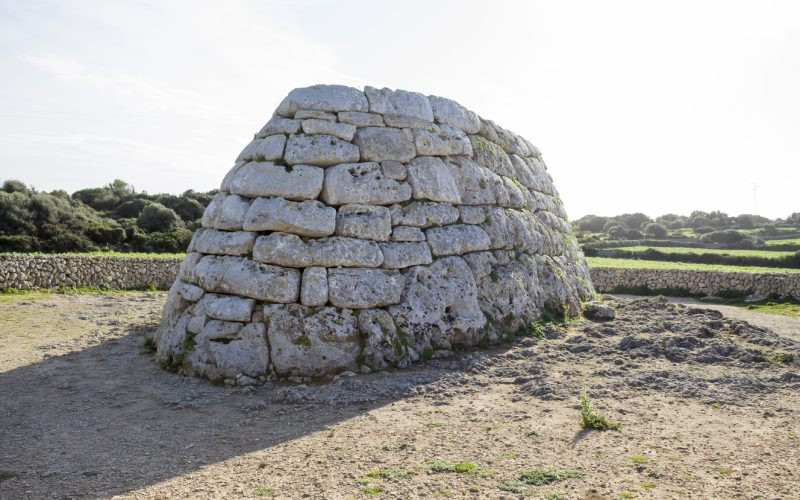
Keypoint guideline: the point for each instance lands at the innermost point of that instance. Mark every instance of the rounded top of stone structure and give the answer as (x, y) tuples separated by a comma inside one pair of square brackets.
[(365, 229)]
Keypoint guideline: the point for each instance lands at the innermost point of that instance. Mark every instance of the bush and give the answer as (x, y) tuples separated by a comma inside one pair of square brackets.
[(156, 217), (14, 186), (617, 232), (704, 230), (655, 230), (724, 236)]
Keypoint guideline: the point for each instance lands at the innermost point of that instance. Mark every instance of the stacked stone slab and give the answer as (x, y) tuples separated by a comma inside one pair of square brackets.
[(365, 230)]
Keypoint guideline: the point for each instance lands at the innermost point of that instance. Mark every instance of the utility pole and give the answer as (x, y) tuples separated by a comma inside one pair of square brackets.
[(755, 199)]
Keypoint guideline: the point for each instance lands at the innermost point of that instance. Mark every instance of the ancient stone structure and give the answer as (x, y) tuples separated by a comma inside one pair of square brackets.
[(366, 229)]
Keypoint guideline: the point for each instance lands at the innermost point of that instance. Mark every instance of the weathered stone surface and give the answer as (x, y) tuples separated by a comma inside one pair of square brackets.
[(307, 218), (457, 239), (364, 288), (394, 170), (186, 269), (450, 112), (362, 183), (368, 222), (439, 306), (314, 287), (225, 307), (477, 185), (340, 130), (399, 102), (240, 276), (383, 143), (311, 343), (266, 149), (471, 215), (447, 141), (278, 125), (382, 345), (423, 214), (299, 182), (226, 181), (491, 156), (323, 98), (407, 233), (225, 349), (188, 291), (306, 114), (361, 119), (224, 242), (232, 213), (403, 121), (397, 255), (431, 179), (290, 250), (598, 310), (319, 150), (210, 214)]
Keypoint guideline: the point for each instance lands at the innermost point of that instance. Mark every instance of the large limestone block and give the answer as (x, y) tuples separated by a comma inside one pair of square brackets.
[(232, 213), (383, 143), (323, 98), (364, 288), (224, 242), (367, 222), (225, 307), (457, 239), (307, 218), (399, 102), (186, 269), (314, 288), (439, 306), (225, 349), (423, 214), (226, 181), (509, 229), (241, 276), (278, 125), (477, 185), (341, 130), (362, 183), (491, 156), (382, 345), (319, 150), (298, 182), (447, 141), (450, 112), (313, 114), (266, 149), (398, 255), (394, 170), (361, 119), (307, 342), (290, 251), (431, 179), (211, 213), (407, 233)]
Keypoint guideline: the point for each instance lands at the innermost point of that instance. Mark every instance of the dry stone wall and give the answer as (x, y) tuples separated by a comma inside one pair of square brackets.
[(712, 283), (31, 272), (366, 229)]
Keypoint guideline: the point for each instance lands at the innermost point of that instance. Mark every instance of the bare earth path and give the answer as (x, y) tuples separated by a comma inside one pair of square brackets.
[(709, 407)]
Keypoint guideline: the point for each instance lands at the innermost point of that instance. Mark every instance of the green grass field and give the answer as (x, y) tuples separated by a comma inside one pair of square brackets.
[(104, 254), (741, 253), (788, 241), (656, 264)]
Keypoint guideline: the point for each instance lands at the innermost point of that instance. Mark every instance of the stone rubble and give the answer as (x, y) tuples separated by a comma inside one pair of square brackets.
[(366, 229)]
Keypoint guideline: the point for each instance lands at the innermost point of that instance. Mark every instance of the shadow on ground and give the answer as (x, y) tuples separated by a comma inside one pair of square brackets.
[(107, 420)]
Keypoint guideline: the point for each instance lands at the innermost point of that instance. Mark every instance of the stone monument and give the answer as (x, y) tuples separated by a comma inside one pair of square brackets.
[(361, 230)]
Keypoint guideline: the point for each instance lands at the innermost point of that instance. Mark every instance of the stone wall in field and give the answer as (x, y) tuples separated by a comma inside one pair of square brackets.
[(30, 272), (713, 283)]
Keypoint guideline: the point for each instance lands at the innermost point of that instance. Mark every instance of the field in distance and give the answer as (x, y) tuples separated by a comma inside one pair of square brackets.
[(691, 266)]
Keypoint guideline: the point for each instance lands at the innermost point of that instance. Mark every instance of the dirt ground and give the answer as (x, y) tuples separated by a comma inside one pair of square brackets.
[(709, 408)]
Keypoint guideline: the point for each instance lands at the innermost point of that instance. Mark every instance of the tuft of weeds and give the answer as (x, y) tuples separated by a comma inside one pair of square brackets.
[(547, 475), (433, 425), (443, 466), (397, 447), (263, 491), (724, 471), (513, 486), (639, 459), (555, 495), (590, 419), (389, 474), (532, 434), (372, 490), (647, 485), (624, 495)]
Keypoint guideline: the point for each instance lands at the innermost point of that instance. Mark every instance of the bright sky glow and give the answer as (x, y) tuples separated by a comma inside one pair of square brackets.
[(637, 106)]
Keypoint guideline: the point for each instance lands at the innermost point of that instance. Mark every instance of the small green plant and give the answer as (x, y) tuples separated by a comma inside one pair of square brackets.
[(263, 491), (427, 353), (390, 474), (513, 486), (433, 425), (724, 471), (443, 466), (639, 459), (372, 490), (326, 427), (555, 495), (590, 419), (547, 475), (647, 485), (532, 434), (716, 405), (624, 494), (397, 447), (149, 344)]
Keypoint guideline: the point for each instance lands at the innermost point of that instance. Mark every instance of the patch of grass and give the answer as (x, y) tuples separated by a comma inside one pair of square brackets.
[(624, 494), (647, 485), (397, 447), (147, 255), (639, 459), (547, 475), (11, 293), (263, 491), (513, 486), (532, 434), (555, 495), (769, 254), (783, 241), (590, 419), (442, 492), (372, 490), (443, 466), (657, 264), (781, 308), (433, 425), (389, 474)]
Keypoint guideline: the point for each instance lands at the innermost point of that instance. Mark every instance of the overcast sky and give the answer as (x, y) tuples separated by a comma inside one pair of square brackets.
[(637, 106)]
